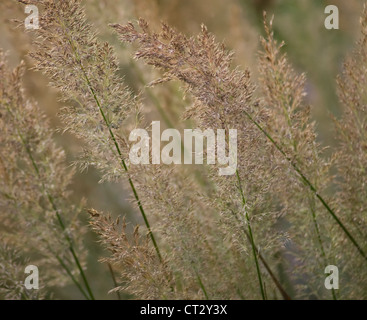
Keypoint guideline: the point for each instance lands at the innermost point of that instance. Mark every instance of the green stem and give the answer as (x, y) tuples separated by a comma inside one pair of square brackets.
[(202, 285), (320, 241), (72, 277), (117, 150), (62, 225), (277, 283), (311, 200), (310, 185), (50, 198), (114, 280), (254, 251), (152, 96)]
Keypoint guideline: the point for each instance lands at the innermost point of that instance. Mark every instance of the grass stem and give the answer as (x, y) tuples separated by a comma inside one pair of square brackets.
[(59, 219), (118, 150), (310, 185), (252, 241)]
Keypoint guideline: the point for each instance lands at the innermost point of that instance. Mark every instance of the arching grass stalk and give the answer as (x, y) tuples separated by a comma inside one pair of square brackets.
[(201, 285), (118, 150), (169, 123), (72, 278), (309, 185), (252, 241), (60, 221), (277, 283), (323, 254), (114, 280), (200, 180)]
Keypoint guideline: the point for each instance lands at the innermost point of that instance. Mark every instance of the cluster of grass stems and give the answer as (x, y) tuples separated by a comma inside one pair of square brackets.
[(266, 232)]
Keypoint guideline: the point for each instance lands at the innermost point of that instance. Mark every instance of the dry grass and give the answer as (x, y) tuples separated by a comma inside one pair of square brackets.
[(266, 232)]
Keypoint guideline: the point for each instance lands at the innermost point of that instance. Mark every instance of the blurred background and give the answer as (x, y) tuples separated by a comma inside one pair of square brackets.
[(238, 23)]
